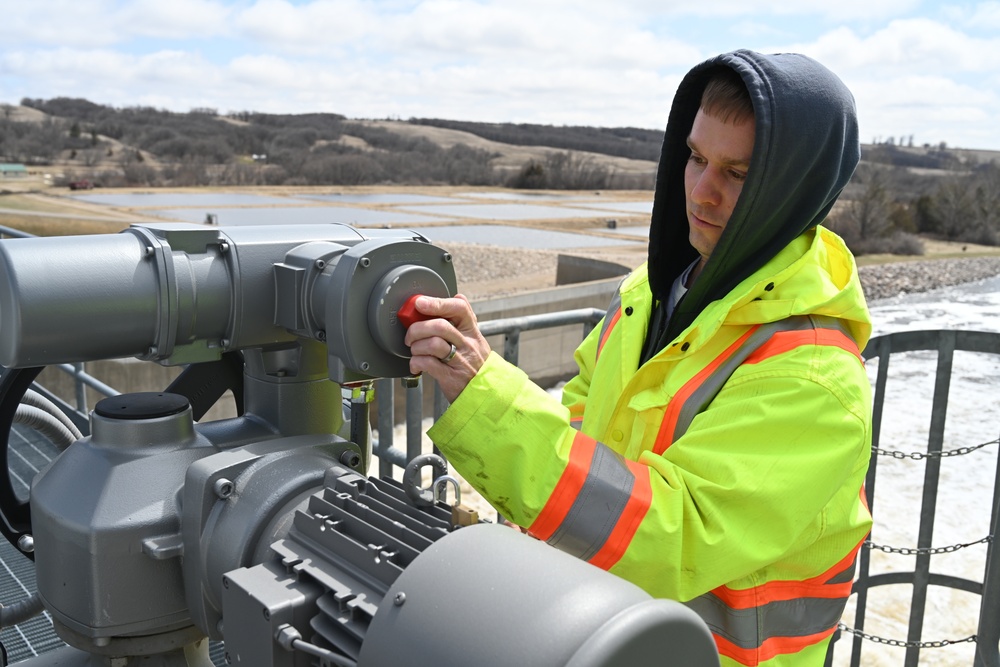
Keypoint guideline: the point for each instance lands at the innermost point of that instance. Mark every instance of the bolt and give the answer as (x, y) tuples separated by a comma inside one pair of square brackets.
[(26, 543), (223, 488), (399, 599), (224, 343), (149, 252), (151, 352), (321, 335), (446, 257), (350, 458), (228, 659), (267, 614), (225, 582), (224, 247), (365, 365), (319, 264), (365, 262)]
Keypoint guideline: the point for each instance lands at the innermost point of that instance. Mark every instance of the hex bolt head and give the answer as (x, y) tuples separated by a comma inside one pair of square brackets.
[(319, 264), (365, 262), (223, 488), (350, 458), (26, 543)]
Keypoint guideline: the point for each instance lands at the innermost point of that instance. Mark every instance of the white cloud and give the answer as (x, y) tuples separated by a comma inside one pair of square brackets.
[(99, 23), (981, 16), (322, 26), (843, 10), (177, 19), (911, 45)]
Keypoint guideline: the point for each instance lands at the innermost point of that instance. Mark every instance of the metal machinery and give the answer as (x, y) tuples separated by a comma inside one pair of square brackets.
[(159, 530)]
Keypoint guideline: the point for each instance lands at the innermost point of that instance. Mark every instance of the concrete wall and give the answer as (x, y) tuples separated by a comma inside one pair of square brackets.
[(547, 355)]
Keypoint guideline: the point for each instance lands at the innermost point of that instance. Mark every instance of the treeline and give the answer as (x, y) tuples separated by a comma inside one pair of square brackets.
[(884, 207), (627, 142), (897, 192), (144, 146)]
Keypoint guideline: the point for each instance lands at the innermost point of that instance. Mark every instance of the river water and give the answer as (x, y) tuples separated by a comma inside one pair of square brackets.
[(965, 493)]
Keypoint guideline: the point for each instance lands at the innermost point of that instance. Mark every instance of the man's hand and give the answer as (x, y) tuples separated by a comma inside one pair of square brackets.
[(449, 347)]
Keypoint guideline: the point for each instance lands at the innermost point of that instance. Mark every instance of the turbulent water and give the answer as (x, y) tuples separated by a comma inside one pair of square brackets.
[(965, 492)]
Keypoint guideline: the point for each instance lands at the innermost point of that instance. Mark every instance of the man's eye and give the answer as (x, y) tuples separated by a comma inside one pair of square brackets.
[(697, 159), (738, 175)]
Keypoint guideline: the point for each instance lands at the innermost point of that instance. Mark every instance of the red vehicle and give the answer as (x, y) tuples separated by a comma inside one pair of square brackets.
[(82, 184)]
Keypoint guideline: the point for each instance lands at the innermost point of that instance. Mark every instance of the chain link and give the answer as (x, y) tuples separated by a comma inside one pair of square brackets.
[(916, 456), (905, 644), (920, 551)]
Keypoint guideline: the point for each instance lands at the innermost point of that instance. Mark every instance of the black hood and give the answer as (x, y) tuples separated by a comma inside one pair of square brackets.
[(805, 150)]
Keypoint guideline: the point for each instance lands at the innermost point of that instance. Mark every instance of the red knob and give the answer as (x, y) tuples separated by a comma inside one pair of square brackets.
[(407, 313)]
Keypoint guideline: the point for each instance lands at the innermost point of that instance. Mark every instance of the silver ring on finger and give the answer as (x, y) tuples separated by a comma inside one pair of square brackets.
[(451, 354)]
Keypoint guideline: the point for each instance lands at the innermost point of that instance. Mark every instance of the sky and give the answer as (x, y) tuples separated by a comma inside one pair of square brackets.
[(926, 71)]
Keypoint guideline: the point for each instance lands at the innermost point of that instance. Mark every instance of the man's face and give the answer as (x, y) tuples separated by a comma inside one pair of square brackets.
[(714, 176)]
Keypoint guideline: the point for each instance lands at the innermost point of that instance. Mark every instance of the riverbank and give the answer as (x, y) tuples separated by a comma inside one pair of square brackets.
[(487, 272)]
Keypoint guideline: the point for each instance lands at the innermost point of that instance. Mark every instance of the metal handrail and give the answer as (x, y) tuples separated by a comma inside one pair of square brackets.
[(510, 328)]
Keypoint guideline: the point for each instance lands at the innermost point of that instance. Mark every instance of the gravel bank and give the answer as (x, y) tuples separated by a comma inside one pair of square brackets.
[(881, 281)]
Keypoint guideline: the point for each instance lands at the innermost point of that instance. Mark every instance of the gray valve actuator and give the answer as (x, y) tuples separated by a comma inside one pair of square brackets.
[(158, 531), (181, 294)]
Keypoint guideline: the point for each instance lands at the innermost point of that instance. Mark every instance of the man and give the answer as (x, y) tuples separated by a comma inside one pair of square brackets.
[(713, 447)]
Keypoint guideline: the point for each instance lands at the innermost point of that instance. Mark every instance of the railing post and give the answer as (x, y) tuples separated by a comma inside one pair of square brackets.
[(81, 388)]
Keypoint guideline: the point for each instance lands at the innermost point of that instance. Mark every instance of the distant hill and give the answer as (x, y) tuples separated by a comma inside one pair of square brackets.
[(148, 147)]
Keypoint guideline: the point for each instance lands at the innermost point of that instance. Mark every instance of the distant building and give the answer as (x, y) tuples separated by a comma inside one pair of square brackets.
[(13, 170)]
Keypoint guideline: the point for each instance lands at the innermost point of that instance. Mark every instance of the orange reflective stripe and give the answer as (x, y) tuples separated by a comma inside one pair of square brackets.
[(760, 342), (771, 647), (665, 437), (635, 511), (566, 489), (606, 332), (776, 591), (786, 341)]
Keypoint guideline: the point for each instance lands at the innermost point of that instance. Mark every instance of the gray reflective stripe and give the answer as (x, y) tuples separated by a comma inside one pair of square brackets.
[(845, 576), (597, 506), (616, 304), (750, 628), (701, 397)]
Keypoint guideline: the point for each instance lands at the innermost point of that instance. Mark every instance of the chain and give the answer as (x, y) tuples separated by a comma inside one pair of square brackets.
[(905, 644), (916, 456), (925, 551)]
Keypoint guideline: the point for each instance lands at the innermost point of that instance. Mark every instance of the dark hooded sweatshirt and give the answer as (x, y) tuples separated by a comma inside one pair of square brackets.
[(805, 150)]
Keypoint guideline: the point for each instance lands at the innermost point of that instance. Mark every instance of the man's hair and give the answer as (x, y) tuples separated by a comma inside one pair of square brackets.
[(726, 97)]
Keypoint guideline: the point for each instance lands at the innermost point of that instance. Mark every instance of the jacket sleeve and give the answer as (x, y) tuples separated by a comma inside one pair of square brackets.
[(784, 444)]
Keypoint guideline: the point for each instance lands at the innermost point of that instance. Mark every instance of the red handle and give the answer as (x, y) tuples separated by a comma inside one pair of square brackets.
[(407, 313)]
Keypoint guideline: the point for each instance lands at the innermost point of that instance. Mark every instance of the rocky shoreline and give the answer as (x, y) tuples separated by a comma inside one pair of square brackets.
[(881, 281), (487, 272)]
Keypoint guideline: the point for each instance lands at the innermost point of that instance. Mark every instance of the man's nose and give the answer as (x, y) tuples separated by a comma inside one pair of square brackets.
[(706, 190)]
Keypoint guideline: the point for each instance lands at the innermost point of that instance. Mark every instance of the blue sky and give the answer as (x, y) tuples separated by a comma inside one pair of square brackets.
[(929, 70)]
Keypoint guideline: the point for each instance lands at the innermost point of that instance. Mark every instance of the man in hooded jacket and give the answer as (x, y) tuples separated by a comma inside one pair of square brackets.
[(713, 447)]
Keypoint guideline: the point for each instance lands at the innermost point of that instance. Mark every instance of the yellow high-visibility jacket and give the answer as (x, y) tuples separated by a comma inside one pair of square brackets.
[(726, 472)]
